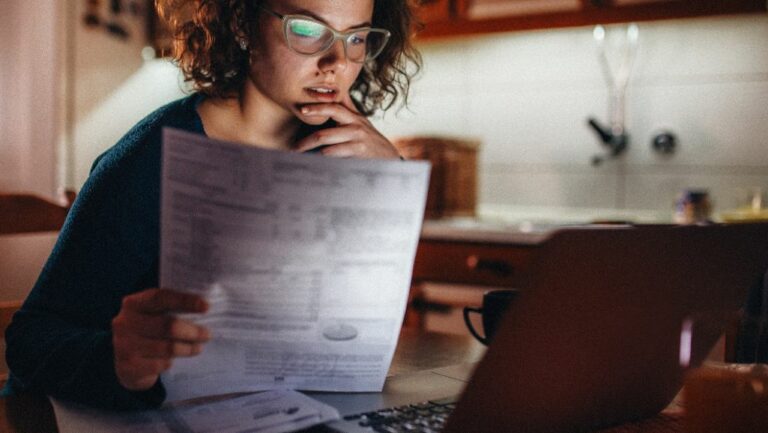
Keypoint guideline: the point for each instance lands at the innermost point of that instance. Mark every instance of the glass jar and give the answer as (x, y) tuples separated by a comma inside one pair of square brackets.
[(693, 207)]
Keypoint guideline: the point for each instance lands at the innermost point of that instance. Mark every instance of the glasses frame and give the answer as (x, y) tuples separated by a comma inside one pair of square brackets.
[(337, 35)]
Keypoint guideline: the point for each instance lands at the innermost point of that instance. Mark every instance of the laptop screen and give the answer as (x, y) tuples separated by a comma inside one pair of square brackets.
[(594, 336)]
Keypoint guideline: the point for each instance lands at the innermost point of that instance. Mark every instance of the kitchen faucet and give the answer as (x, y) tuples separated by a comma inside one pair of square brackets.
[(615, 136), (615, 139)]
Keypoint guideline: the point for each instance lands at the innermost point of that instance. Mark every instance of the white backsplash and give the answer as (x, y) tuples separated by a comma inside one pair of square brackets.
[(527, 96)]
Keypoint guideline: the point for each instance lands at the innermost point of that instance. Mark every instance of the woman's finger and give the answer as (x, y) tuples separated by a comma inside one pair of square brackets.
[(167, 349), (159, 326), (132, 347), (164, 300), (354, 137), (141, 373), (335, 111), (329, 137), (344, 150)]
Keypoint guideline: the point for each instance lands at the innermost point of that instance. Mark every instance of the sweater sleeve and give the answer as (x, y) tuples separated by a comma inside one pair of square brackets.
[(60, 342)]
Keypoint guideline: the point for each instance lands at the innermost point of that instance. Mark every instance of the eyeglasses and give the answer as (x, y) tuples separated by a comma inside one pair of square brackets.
[(309, 37)]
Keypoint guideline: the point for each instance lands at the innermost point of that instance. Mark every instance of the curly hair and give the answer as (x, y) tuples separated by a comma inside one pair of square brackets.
[(206, 35)]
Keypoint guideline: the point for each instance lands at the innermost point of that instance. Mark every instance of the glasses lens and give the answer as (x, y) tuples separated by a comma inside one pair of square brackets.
[(307, 37), (357, 46), (375, 41)]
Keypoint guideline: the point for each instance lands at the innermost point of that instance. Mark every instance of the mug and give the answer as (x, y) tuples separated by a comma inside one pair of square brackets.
[(495, 304)]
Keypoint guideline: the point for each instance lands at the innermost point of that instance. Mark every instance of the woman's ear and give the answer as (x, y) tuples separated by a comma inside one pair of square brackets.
[(247, 46)]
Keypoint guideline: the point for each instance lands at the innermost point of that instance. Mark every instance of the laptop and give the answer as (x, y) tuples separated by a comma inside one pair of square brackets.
[(593, 339)]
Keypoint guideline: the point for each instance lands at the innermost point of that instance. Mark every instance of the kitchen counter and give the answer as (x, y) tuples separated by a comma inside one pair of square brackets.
[(528, 225), (476, 230), (459, 258)]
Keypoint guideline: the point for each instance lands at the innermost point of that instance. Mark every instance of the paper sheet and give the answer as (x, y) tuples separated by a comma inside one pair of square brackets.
[(266, 412), (305, 259)]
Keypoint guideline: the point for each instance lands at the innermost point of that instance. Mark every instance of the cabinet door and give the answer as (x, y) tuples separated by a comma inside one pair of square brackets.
[(642, 10), (471, 263), (593, 10), (488, 16), (489, 9), (431, 11), (447, 268)]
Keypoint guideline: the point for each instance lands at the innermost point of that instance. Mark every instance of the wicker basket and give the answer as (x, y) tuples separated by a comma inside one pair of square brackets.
[(453, 183)]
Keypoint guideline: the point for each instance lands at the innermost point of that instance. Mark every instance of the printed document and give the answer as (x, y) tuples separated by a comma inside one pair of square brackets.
[(267, 412), (306, 261)]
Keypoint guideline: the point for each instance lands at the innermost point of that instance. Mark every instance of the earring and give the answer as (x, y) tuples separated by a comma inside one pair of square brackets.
[(243, 44)]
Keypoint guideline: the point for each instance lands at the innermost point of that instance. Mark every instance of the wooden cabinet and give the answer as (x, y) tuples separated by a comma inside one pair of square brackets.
[(478, 10), (434, 11), (467, 17), (451, 274), (473, 263)]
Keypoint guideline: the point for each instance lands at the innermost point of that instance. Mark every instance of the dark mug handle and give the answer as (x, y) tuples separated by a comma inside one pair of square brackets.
[(471, 327)]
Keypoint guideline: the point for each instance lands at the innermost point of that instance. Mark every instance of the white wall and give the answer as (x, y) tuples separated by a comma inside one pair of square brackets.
[(113, 89), (67, 92), (527, 96), (30, 64), (30, 126)]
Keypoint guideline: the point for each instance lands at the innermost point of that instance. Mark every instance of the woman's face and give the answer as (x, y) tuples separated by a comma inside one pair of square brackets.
[(291, 80)]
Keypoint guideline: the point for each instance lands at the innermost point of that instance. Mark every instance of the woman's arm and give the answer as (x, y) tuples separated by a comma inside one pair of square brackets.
[(61, 342)]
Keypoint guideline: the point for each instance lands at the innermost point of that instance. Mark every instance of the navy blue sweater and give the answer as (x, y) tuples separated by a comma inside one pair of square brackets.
[(60, 342)]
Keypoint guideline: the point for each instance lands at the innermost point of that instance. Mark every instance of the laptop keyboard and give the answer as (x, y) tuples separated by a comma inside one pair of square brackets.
[(426, 417)]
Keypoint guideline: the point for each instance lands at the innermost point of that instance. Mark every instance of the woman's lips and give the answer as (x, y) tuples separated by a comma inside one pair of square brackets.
[(322, 94)]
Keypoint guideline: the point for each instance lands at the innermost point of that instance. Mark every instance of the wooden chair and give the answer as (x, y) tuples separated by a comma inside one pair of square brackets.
[(26, 213)]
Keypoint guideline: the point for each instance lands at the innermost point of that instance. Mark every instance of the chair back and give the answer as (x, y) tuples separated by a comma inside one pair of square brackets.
[(26, 213), (29, 213)]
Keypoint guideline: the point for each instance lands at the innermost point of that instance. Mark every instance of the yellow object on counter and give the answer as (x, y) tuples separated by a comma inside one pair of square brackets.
[(745, 215)]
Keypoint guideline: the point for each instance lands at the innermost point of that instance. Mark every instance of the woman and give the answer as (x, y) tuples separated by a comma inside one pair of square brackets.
[(296, 75)]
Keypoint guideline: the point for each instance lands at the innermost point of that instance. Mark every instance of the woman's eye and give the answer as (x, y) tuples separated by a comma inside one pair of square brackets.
[(357, 40)]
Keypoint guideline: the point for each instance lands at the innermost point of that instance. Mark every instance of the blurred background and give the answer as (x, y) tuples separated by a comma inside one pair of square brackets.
[(519, 78)]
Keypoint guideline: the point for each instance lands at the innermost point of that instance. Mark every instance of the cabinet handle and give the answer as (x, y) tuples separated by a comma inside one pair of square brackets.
[(422, 305), (500, 268)]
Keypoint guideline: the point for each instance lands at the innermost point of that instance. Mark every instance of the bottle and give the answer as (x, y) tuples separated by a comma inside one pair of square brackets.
[(693, 207)]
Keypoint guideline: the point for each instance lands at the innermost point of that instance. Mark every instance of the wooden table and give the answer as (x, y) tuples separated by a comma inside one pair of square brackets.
[(417, 350)]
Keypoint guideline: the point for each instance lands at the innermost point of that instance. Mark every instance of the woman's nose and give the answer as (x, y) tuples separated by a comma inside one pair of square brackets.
[(334, 59)]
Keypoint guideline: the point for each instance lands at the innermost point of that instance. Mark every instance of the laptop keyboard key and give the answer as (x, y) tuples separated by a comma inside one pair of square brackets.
[(423, 417)]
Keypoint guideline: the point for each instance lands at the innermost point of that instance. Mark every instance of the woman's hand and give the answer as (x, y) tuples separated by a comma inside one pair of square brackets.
[(146, 336), (354, 136)]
